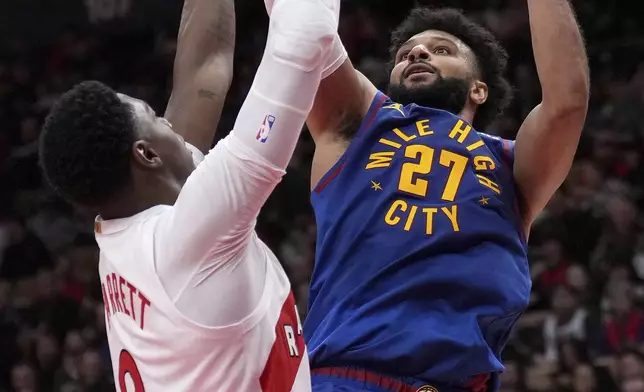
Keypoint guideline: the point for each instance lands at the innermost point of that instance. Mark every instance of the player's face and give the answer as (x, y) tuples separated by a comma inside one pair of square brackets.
[(435, 69), (159, 147)]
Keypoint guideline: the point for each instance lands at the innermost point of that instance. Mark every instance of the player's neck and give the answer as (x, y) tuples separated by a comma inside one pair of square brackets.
[(467, 113)]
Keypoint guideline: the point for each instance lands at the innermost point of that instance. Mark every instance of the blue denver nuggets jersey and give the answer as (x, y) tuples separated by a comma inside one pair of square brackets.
[(421, 267)]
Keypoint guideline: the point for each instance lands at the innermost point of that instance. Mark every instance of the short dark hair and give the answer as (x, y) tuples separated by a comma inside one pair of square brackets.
[(491, 58), (86, 142)]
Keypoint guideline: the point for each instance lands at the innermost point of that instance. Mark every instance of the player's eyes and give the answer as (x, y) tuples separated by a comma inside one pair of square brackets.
[(403, 56), (441, 50)]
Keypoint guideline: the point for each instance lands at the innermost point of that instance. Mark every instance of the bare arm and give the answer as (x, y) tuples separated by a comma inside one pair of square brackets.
[(344, 94), (548, 139), (203, 69)]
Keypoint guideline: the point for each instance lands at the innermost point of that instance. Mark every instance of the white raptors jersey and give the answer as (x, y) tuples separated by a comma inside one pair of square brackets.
[(154, 346)]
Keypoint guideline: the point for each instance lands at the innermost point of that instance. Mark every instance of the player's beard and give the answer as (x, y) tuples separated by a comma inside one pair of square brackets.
[(444, 93)]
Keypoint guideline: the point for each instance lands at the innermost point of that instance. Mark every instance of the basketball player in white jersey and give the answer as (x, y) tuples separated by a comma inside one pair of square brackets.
[(194, 301)]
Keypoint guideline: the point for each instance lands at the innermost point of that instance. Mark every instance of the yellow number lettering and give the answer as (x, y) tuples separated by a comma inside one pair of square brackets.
[(457, 164), (424, 157), (407, 183)]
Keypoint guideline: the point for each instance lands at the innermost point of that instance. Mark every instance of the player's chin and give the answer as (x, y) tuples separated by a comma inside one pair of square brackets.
[(420, 80)]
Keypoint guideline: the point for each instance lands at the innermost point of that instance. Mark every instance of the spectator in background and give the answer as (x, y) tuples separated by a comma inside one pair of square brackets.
[(549, 268), (511, 378), (69, 372), (8, 333), (572, 355), (540, 377), (631, 364), (565, 326), (578, 279), (93, 374), (624, 325), (56, 311), (24, 254), (633, 385), (23, 159), (48, 360), (619, 233), (24, 379), (584, 379)]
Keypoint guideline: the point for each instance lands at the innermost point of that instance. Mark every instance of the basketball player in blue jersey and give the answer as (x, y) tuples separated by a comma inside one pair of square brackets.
[(421, 267)]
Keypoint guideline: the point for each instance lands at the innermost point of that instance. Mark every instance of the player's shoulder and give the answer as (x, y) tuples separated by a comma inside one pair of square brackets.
[(383, 101), (141, 222), (197, 155), (495, 140), (409, 111), (502, 148)]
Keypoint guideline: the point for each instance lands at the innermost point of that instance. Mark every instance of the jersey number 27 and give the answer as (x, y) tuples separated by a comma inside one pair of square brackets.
[(425, 160)]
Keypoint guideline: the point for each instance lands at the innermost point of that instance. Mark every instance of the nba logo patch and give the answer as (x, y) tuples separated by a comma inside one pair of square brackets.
[(265, 129)]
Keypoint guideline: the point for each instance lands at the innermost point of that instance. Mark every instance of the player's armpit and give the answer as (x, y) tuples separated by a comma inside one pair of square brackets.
[(344, 95), (543, 153)]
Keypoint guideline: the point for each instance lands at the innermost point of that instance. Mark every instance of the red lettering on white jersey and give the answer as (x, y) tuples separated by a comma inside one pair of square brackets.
[(115, 289), (287, 351)]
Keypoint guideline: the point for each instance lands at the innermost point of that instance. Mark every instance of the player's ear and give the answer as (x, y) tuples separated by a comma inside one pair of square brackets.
[(478, 92), (145, 155)]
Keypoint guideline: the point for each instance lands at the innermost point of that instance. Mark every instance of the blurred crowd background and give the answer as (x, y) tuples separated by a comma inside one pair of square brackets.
[(584, 330)]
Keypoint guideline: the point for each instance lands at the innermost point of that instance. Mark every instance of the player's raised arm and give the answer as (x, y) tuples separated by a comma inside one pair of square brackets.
[(548, 139), (344, 94), (218, 205), (203, 69)]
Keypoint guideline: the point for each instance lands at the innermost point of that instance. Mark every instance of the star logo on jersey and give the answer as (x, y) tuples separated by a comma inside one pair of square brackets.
[(427, 388), (265, 129), (395, 106), (376, 186), (484, 201)]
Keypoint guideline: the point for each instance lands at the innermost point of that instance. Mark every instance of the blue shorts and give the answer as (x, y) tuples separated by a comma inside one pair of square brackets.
[(355, 380)]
